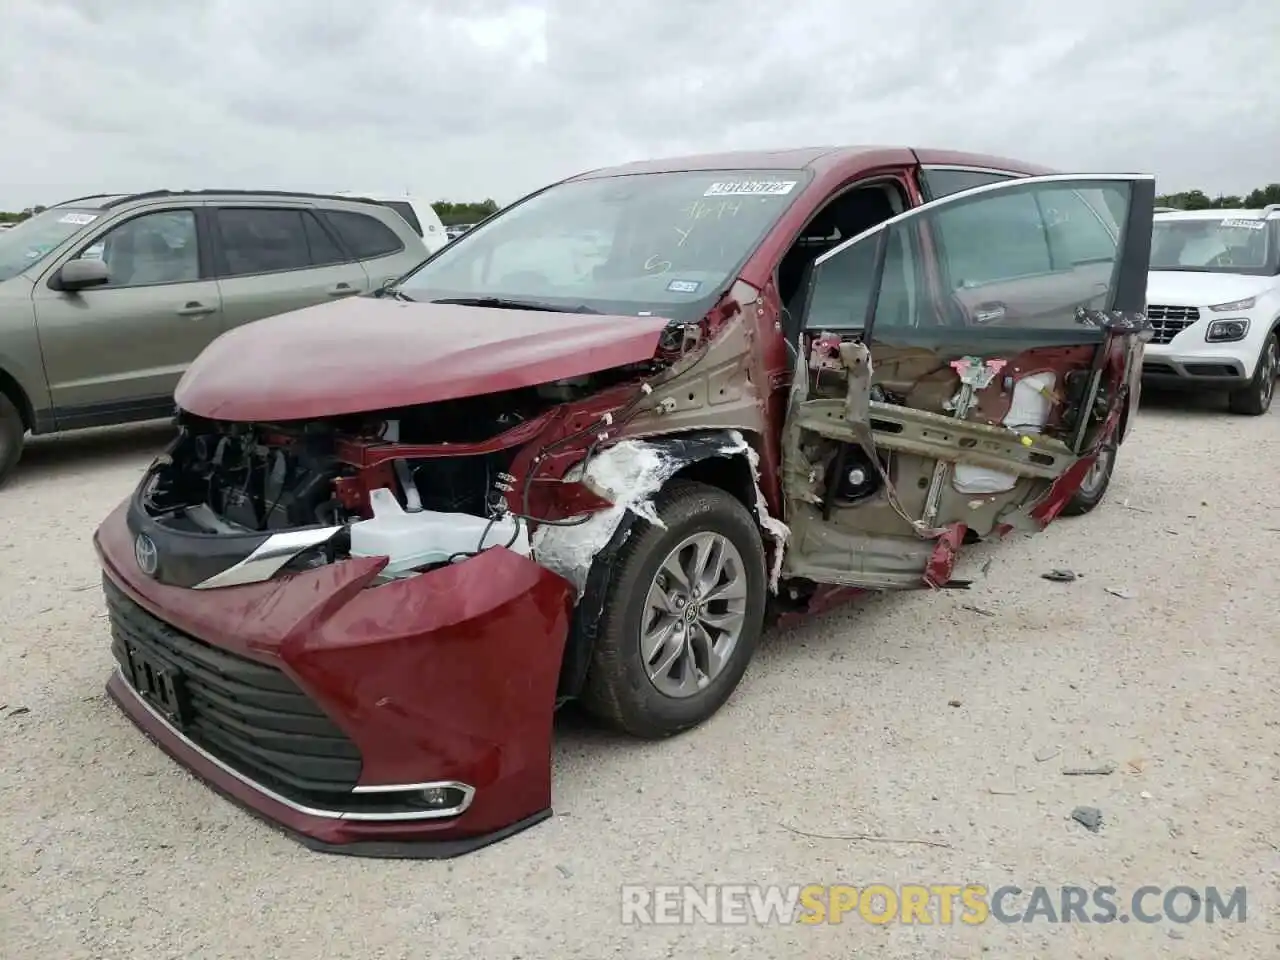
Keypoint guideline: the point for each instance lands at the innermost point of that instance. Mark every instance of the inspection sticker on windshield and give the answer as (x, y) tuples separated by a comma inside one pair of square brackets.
[(750, 188), (1246, 224), (79, 219), (684, 286)]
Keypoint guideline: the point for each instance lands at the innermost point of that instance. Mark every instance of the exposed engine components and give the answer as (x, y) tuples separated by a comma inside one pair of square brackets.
[(564, 391)]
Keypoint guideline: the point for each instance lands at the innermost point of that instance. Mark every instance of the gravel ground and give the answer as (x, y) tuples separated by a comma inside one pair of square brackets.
[(911, 717)]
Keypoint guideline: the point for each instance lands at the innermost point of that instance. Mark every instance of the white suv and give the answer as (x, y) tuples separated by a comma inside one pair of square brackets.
[(1213, 298)]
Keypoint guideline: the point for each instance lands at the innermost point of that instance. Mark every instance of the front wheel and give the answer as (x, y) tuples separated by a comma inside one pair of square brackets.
[(682, 616), (1255, 399)]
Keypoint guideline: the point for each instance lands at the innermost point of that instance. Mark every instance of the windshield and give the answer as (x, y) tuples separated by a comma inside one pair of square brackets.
[(664, 244), (31, 240), (1229, 245)]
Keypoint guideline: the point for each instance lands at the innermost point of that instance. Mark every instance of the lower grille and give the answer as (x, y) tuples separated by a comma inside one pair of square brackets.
[(250, 716), (1212, 370), (1167, 322)]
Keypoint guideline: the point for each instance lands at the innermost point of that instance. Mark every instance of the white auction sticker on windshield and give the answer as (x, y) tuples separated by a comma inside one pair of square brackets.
[(79, 219), (1246, 224), (750, 188)]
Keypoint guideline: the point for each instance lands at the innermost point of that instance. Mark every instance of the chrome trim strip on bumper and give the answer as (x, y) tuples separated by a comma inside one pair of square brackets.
[(458, 785), (467, 790), (270, 555)]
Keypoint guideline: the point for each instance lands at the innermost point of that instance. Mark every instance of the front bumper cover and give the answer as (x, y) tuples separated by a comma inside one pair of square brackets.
[(448, 677), (1165, 368)]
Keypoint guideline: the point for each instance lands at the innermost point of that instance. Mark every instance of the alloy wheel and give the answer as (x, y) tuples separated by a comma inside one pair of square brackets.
[(1268, 384), (694, 613), (1098, 472)]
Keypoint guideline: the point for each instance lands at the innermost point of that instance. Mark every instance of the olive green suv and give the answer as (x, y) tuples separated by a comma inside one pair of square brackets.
[(104, 300)]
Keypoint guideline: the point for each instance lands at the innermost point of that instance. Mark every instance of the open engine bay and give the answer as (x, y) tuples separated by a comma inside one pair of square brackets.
[(427, 485)]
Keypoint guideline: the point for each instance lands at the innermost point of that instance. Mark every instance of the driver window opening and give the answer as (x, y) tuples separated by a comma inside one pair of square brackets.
[(848, 215)]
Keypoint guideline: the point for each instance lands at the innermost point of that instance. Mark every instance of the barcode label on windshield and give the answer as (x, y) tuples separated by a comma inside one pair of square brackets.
[(750, 188), (1246, 224)]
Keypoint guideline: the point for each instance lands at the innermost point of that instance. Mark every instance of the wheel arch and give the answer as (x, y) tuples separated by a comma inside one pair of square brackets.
[(10, 387), (717, 458)]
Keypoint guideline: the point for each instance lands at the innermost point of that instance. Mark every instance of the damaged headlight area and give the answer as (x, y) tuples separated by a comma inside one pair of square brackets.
[(424, 487)]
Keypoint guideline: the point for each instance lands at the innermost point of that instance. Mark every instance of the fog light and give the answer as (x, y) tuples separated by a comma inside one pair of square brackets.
[(438, 798), (1225, 331)]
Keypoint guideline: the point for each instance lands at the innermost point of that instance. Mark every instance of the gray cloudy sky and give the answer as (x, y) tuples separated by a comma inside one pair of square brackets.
[(501, 98)]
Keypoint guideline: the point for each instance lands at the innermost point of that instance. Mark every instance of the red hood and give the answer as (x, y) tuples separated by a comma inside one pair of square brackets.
[(364, 354)]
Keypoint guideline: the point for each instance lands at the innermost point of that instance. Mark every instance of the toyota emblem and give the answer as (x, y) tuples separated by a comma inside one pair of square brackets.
[(144, 551)]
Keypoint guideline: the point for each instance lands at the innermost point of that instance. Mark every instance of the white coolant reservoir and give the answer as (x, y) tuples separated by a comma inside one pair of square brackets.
[(416, 539), (1028, 413)]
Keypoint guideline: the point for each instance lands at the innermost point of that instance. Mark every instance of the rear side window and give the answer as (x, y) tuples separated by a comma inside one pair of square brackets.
[(1080, 229), (943, 183), (999, 238), (269, 241), (365, 236), (406, 210), (324, 248)]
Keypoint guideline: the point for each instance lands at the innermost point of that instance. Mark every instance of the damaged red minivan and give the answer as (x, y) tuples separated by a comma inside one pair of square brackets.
[(589, 450)]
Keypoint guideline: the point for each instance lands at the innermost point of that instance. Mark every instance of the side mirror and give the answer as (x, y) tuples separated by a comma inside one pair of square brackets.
[(76, 275)]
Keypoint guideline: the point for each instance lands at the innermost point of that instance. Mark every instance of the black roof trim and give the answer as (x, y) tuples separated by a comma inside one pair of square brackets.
[(91, 196), (282, 194)]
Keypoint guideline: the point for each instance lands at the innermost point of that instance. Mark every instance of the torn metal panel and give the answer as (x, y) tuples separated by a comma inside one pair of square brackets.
[(888, 554), (774, 528), (713, 385), (934, 436), (628, 474), (828, 553), (850, 419), (937, 572), (906, 532)]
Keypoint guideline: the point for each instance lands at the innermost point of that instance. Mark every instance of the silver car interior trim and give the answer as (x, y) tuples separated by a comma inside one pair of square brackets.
[(265, 561), (961, 168), (442, 814)]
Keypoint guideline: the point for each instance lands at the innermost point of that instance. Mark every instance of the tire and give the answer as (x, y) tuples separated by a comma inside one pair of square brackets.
[(618, 688), (1255, 399), (1095, 484), (12, 432)]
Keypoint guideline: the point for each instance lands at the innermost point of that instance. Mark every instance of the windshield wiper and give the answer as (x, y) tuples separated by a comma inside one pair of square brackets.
[(503, 303), (391, 290)]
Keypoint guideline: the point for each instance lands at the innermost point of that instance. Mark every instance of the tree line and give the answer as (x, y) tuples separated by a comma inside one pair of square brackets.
[(450, 213), (1199, 200), (472, 211), (20, 215)]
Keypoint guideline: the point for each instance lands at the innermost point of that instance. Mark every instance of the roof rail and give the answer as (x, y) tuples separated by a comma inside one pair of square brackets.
[(282, 194), (89, 196)]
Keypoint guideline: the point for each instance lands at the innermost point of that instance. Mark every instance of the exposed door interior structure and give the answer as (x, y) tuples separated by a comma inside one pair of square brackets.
[(952, 364)]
